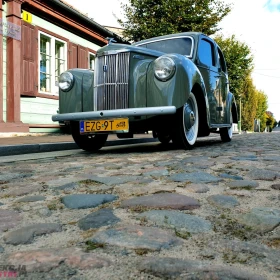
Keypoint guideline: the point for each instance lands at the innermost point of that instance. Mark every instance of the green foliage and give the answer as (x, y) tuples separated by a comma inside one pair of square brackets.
[(261, 109), (250, 104), (270, 121), (239, 63), (150, 18)]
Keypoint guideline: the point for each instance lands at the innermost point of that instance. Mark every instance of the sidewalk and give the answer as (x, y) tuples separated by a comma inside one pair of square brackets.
[(26, 143)]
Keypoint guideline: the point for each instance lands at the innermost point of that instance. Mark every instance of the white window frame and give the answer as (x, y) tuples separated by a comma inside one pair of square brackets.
[(53, 86), (89, 54)]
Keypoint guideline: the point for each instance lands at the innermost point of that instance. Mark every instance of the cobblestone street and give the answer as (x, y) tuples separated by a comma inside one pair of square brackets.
[(146, 212)]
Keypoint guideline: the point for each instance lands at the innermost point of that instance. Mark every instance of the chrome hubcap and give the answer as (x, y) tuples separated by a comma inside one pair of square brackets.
[(189, 117)]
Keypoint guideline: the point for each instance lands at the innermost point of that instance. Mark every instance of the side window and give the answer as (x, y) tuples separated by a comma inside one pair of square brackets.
[(91, 61), (221, 60), (206, 53), (52, 57)]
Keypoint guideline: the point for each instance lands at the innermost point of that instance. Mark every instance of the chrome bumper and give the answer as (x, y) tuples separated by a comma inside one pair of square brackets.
[(164, 110)]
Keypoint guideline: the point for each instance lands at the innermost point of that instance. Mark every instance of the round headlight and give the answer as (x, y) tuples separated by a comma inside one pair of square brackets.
[(66, 81), (164, 68)]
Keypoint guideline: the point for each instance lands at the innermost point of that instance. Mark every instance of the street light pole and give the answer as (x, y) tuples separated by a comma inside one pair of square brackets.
[(240, 115)]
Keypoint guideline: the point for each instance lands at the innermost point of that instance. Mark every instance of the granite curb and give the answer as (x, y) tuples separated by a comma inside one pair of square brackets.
[(11, 150)]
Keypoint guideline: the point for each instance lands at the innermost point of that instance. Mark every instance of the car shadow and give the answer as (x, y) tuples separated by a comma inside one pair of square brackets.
[(155, 147)]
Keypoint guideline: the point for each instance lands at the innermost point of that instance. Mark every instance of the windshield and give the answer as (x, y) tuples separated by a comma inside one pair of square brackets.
[(181, 45)]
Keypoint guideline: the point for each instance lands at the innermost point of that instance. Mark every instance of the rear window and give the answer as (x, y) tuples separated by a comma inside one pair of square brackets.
[(173, 45)]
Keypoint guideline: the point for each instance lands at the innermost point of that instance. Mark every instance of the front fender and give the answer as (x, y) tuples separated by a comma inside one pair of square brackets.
[(175, 91), (80, 97)]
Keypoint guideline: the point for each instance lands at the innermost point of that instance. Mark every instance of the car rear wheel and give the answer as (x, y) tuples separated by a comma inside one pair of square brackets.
[(163, 138), (90, 143), (226, 132), (186, 127)]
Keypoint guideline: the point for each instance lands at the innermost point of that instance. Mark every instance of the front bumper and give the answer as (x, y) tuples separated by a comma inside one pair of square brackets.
[(147, 111)]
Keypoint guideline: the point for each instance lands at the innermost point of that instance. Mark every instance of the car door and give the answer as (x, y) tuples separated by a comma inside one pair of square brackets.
[(224, 86), (207, 64)]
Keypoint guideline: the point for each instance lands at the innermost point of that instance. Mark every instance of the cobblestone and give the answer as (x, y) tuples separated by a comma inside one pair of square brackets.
[(162, 201), (25, 235), (146, 212), (193, 270), (102, 217)]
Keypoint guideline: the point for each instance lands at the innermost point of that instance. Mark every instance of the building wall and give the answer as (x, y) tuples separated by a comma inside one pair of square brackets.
[(35, 62), (56, 29), (4, 68), (39, 110)]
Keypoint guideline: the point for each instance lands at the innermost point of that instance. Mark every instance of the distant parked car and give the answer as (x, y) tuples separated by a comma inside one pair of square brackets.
[(174, 85)]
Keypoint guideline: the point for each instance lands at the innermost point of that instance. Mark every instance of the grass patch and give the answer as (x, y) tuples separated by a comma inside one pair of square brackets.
[(233, 257), (89, 182), (275, 243), (247, 188), (88, 233), (93, 246), (113, 167), (139, 208), (141, 252), (55, 205), (228, 225), (6, 196), (181, 234), (2, 182), (72, 223)]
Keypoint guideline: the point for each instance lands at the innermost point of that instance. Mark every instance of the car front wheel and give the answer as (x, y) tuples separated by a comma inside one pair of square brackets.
[(90, 143), (186, 127)]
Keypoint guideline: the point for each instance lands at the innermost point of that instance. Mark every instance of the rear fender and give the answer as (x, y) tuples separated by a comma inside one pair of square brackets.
[(231, 108)]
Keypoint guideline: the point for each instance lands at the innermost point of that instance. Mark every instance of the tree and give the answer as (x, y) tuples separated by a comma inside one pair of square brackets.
[(270, 121), (261, 109), (250, 103), (239, 63), (150, 18)]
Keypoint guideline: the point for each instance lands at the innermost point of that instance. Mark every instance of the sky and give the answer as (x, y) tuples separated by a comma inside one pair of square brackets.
[(254, 22)]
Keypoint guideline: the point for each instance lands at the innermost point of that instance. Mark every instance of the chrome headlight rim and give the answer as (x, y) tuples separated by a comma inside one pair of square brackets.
[(164, 68), (66, 81)]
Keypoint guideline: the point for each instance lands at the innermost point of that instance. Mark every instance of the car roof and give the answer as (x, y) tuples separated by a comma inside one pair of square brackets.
[(169, 36)]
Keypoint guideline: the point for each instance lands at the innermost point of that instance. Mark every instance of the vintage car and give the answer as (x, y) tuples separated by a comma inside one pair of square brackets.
[(175, 85)]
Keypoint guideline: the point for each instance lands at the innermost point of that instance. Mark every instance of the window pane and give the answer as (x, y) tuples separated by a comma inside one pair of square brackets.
[(205, 53), (45, 82), (91, 61), (59, 59), (222, 61), (52, 62), (44, 44), (45, 63)]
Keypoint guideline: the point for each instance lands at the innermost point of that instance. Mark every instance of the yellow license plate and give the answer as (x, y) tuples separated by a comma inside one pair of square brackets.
[(104, 125)]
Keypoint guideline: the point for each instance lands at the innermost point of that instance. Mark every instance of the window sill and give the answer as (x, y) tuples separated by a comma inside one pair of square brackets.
[(46, 95), (42, 95)]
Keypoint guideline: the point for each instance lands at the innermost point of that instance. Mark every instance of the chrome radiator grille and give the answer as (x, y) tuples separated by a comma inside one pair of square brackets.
[(111, 81)]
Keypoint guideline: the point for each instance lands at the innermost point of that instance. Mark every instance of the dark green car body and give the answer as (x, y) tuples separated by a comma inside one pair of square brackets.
[(124, 84)]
